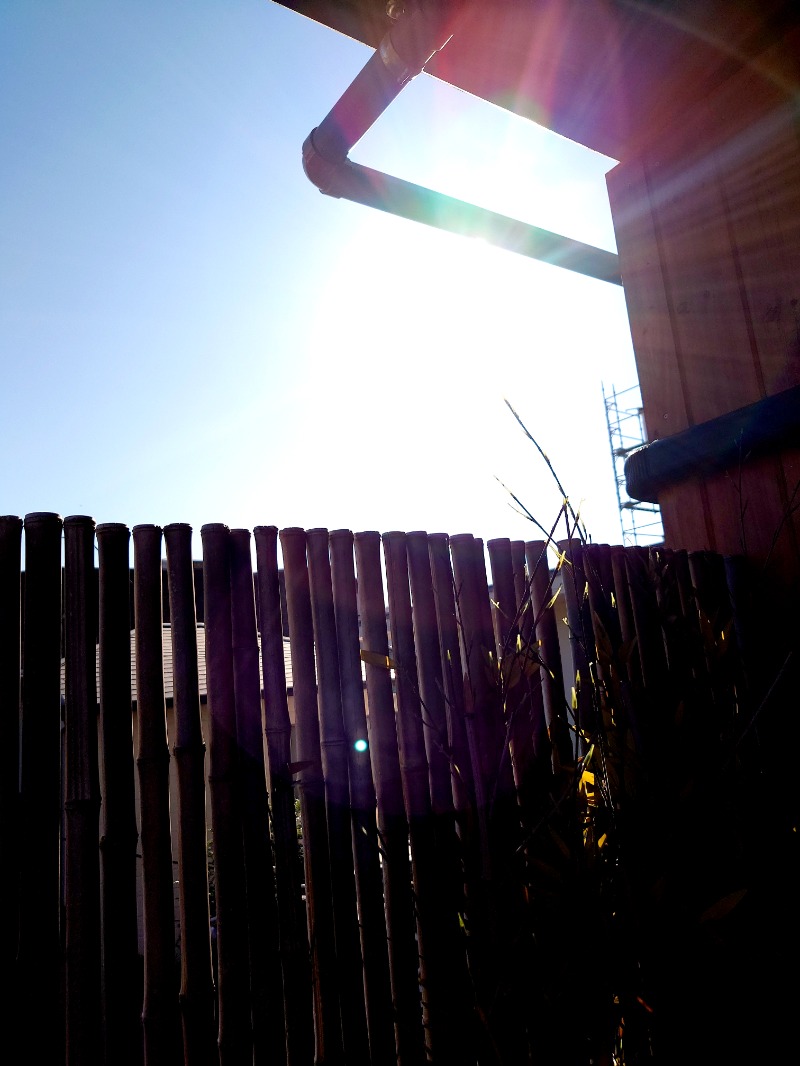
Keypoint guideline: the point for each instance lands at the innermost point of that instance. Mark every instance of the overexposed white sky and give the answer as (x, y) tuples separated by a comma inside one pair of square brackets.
[(190, 331)]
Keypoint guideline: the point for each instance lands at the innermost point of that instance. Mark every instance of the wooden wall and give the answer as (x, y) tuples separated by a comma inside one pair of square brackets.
[(707, 219)]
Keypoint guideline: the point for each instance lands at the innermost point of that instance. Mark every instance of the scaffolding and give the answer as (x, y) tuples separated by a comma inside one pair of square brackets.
[(640, 521)]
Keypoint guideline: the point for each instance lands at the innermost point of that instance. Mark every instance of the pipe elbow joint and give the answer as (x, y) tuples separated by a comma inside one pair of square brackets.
[(320, 171)]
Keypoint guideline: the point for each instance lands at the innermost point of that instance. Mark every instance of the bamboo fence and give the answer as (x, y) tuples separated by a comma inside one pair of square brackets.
[(437, 844)]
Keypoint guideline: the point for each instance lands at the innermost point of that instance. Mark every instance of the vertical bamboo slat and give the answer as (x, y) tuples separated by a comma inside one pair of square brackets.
[(82, 798), (312, 800), (335, 768), (369, 889), (10, 662), (491, 622), (446, 888), (581, 641), (467, 786), (122, 978), (416, 790), (546, 636), (266, 983), (160, 1012), (650, 645), (235, 1037), (512, 662), (392, 823), (39, 989), (462, 783), (476, 666), (540, 741), (197, 988), (288, 869)]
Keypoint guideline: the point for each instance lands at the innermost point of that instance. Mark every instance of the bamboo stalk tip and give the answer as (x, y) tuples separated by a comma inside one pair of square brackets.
[(177, 527), (42, 518), (341, 534), (292, 532), (213, 529), (111, 528), (78, 521), (145, 529)]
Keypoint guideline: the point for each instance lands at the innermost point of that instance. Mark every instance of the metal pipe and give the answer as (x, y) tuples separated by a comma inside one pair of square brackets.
[(402, 55)]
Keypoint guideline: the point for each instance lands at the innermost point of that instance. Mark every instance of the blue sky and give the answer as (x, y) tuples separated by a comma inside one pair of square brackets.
[(190, 331)]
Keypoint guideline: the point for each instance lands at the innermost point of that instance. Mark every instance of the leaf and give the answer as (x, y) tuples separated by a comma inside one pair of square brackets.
[(553, 600), (374, 658), (296, 767), (514, 668), (723, 906)]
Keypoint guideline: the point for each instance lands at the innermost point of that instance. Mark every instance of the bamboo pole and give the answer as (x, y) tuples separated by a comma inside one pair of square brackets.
[(631, 682), (122, 978), (540, 741), (266, 982), (546, 637), (514, 665), (602, 597), (446, 886), (431, 684), (479, 664), (369, 888), (234, 1038), (652, 655), (581, 643), (288, 868), (197, 986), (82, 798), (10, 672), (416, 791), (461, 777), (392, 822), (335, 768), (312, 801), (502, 992), (38, 988), (160, 1012), (467, 785)]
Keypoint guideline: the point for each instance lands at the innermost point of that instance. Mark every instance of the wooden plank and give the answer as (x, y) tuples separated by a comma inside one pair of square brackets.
[(658, 355), (758, 167), (658, 358), (702, 283)]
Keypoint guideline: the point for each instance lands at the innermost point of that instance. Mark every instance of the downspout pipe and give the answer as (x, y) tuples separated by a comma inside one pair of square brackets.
[(403, 53)]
